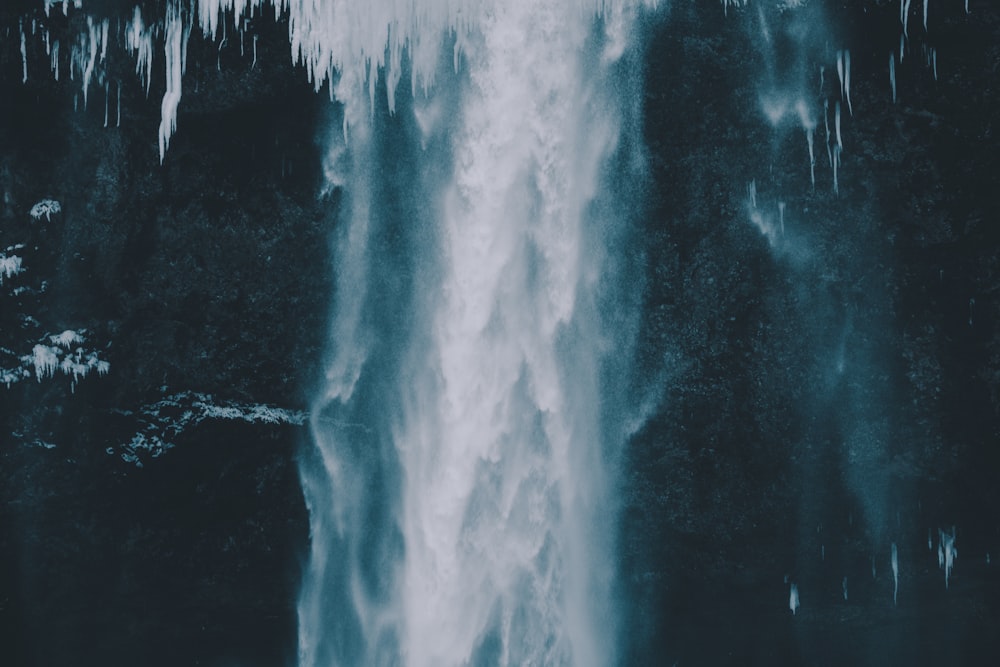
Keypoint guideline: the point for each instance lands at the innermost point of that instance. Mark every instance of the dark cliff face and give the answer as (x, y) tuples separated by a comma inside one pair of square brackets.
[(833, 392), (207, 278)]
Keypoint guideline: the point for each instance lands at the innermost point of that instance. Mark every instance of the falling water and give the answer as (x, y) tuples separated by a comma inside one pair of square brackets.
[(461, 489)]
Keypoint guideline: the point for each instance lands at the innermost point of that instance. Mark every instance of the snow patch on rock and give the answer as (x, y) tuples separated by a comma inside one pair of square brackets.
[(45, 208), (163, 421)]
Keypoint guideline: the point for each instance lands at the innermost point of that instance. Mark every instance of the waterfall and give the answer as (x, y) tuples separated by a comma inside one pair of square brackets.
[(461, 475), (461, 486)]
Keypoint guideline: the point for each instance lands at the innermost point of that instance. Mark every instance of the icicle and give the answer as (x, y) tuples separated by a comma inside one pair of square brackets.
[(901, 49), (752, 192), (88, 70), (947, 553), (836, 124), (966, 6), (781, 216), (906, 19), (24, 56), (106, 96), (812, 157), (139, 40), (892, 76), (895, 573), (926, 2), (843, 585), (934, 61), (836, 190), (254, 63), (118, 107), (104, 40), (826, 124), (173, 44), (10, 265), (221, 44), (45, 360), (847, 80), (54, 60), (840, 71), (793, 598), (185, 35), (822, 70)]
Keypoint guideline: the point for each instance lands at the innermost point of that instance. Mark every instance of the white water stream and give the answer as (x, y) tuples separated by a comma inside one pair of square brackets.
[(468, 517)]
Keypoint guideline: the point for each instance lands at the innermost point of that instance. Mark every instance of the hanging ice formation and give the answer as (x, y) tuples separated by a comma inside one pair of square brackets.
[(10, 265), (24, 54), (892, 76), (793, 598), (175, 52), (778, 97), (895, 573), (139, 40), (785, 89), (836, 124), (812, 156), (844, 73), (847, 80), (763, 222), (65, 353), (947, 553), (735, 3)]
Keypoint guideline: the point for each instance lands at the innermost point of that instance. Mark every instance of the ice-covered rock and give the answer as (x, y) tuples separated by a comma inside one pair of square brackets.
[(10, 266), (46, 208)]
